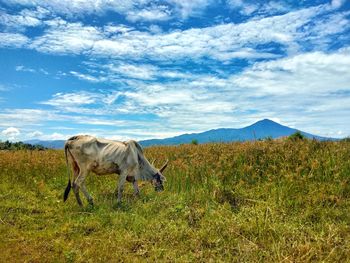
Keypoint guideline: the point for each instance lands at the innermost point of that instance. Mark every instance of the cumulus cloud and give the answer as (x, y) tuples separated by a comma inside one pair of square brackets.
[(11, 133), (34, 134), (86, 77), (54, 136), (146, 72), (248, 8), (80, 8), (337, 3), (18, 22), (13, 40), (160, 13), (72, 99), (134, 10), (309, 73), (73, 38), (221, 42), (24, 69), (190, 8), (37, 117)]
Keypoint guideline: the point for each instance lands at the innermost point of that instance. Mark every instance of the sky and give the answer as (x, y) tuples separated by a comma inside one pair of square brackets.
[(139, 69)]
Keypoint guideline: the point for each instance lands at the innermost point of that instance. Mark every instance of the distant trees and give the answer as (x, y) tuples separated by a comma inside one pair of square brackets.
[(194, 142), (297, 136), (7, 145)]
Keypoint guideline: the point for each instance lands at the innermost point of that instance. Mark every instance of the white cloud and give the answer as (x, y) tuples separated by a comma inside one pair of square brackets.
[(337, 3), (38, 12), (71, 8), (24, 69), (11, 133), (155, 29), (13, 40), (309, 73), (71, 38), (18, 22), (247, 8), (244, 8), (34, 134), (117, 29), (72, 99), (40, 117), (117, 72), (86, 77), (160, 13), (134, 10), (187, 8), (221, 42), (140, 71), (54, 136)]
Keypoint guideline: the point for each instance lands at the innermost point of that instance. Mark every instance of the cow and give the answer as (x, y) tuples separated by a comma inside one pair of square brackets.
[(90, 154)]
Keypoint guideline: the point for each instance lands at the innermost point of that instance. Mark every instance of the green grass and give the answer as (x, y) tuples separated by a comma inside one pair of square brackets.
[(270, 201)]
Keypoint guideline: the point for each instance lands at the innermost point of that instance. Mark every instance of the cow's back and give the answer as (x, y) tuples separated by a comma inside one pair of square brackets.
[(101, 155), (82, 146)]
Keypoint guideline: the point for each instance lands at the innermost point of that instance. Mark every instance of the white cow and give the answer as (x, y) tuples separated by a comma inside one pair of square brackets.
[(102, 156)]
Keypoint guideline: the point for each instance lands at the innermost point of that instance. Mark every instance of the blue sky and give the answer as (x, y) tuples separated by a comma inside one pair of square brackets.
[(153, 69)]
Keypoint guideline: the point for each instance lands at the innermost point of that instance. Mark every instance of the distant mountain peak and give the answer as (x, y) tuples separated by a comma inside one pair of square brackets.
[(264, 123)]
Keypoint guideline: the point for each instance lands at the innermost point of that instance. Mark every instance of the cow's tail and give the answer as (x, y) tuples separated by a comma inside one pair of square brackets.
[(69, 185)]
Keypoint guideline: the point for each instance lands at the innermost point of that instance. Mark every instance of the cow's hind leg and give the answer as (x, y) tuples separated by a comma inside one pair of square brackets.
[(86, 194), (77, 184), (76, 172), (76, 192)]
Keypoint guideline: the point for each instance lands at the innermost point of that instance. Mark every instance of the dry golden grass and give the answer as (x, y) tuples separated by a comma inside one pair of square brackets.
[(272, 201)]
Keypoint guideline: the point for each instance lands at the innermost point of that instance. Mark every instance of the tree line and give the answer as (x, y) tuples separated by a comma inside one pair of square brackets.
[(7, 145)]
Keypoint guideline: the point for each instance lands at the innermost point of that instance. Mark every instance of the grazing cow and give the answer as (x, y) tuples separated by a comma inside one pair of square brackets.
[(101, 156)]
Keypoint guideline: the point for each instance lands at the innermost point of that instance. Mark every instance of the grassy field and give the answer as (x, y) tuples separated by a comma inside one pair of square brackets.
[(269, 201)]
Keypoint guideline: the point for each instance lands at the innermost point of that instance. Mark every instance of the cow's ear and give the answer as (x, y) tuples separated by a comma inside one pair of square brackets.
[(162, 178)]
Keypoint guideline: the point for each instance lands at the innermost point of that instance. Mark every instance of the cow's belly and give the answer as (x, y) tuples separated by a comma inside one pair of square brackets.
[(105, 168)]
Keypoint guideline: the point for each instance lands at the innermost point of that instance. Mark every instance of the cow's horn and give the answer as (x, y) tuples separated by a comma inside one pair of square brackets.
[(164, 166)]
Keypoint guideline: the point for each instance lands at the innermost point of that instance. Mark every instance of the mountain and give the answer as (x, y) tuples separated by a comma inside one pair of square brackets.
[(54, 144), (259, 130)]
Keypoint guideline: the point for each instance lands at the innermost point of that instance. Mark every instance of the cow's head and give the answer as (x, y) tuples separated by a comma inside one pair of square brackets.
[(158, 178)]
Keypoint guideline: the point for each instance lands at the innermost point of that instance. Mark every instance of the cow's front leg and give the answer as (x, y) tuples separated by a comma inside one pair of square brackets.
[(136, 188), (132, 180)]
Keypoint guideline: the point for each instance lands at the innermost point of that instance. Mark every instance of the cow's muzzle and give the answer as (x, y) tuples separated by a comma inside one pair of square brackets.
[(157, 182), (159, 188)]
